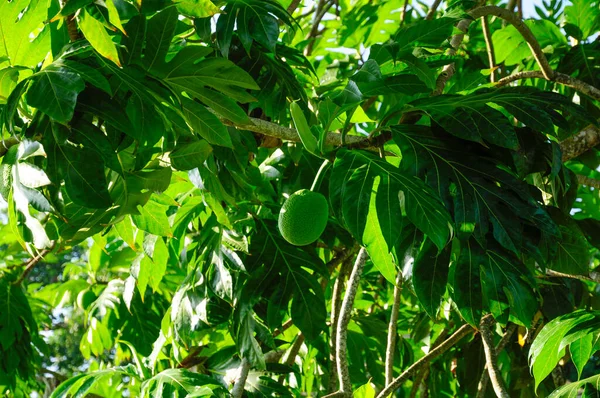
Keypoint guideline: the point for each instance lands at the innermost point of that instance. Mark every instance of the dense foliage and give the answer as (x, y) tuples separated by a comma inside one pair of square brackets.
[(148, 149)]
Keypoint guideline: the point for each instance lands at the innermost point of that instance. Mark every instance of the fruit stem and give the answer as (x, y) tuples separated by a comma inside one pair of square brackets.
[(317, 182)]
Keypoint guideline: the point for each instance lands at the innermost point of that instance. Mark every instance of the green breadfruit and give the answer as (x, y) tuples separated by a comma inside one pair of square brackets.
[(303, 217)]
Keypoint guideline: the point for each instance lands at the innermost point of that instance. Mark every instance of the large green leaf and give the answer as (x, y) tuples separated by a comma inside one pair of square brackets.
[(585, 15), (479, 196), (205, 123), (185, 73), (190, 156), (181, 382), (549, 345), (284, 266), (256, 20), (466, 284), (430, 275), (470, 117), (19, 20), (95, 32), (351, 184), (80, 385), (54, 91), (161, 28)]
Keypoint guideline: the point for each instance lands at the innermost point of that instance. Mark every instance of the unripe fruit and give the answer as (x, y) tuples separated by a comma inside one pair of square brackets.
[(303, 217)]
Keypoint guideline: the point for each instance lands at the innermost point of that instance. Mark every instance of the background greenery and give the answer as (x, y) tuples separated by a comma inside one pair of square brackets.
[(148, 146)]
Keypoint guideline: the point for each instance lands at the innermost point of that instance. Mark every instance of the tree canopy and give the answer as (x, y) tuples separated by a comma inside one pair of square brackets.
[(148, 148)]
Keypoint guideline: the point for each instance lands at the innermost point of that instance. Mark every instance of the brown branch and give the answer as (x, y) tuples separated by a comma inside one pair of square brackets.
[(580, 143), (293, 5), (322, 8), (392, 329), (587, 181), (490, 47), (71, 23), (293, 353), (491, 357), (341, 354), (523, 29), (436, 352), (240, 384), (336, 299), (433, 9), (31, 264), (560, 78), (592, 277), (403, 15), (449, 70), (485, 376), (294, 350), (286, 325)]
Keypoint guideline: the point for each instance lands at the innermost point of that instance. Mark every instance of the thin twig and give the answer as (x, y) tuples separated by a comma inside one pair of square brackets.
[(341, 354), (560, 78), (286, 325), (491, 357), (436, 352), (449, 70), (433, 9), (322, 8), (31, 264), (293, 353), (392, 329), (293, 5), (294, 350), (490, 48), (485, 376), (523, 29), (240, 383), (403, 15), (593, 276)]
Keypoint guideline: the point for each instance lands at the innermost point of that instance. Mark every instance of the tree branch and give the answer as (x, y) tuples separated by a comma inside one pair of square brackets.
[(592, 277), (449, 70), (392, 328), (240, 383), (322, 8), (403, 15), (587, 181), (580, 143), (341, 354), (561, 78), (286, 325), (31, 264), (523, 29), (290, 134), (491, 357), (433, 9), (436, 352), (293, 5), (71, 24), (335, 311), (490, 47), (485, 376)]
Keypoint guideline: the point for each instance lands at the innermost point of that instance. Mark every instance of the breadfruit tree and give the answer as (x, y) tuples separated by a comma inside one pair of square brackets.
[(364, 198)]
